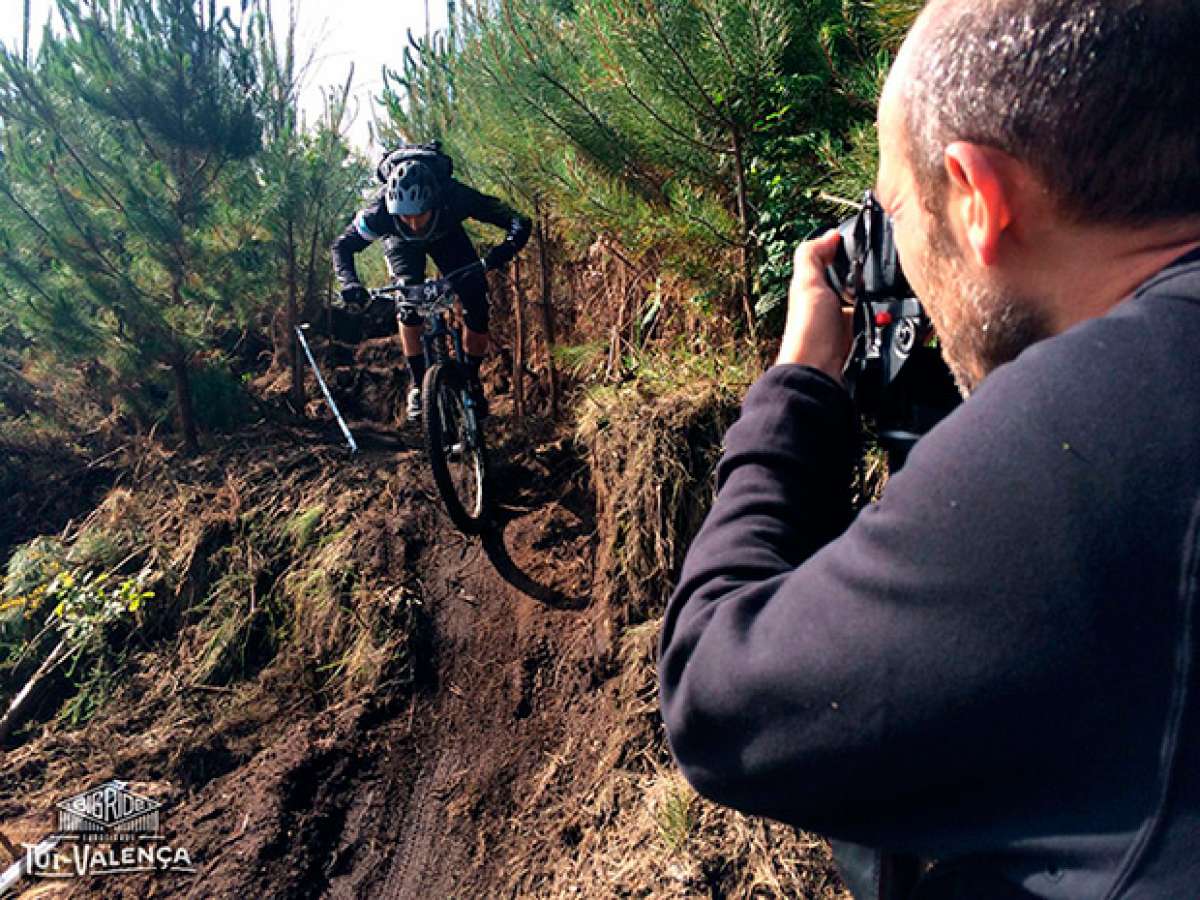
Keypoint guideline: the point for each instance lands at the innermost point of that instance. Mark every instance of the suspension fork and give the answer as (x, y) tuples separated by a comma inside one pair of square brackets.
[(436, 351)]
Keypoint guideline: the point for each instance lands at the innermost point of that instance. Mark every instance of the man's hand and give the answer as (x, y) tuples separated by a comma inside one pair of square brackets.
[(498, 257), (354, 296), (819, 329)]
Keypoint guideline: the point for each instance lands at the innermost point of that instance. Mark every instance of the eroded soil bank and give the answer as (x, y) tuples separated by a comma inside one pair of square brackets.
[(343, 697)]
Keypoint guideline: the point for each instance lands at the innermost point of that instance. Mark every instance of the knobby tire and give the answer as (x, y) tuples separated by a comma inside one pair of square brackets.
[(461, 477)]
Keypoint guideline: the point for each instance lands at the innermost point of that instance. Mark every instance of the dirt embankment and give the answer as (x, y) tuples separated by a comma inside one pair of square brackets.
[(345, 698)]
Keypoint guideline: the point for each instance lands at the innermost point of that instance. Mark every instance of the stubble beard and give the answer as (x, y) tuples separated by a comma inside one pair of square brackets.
[(980, 326)]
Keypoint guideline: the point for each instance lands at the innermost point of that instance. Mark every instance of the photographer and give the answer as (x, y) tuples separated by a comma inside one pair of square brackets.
[(995, 665)]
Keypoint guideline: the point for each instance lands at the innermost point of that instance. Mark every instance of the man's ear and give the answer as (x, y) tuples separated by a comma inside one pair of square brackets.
[(980, 199)]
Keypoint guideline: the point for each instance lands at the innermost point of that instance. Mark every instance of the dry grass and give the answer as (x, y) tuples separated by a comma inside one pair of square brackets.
[(275, 585), (610, 816), (268, 566), (651, 457)]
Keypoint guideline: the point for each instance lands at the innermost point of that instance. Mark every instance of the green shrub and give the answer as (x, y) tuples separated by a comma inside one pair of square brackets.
[(219, 401)]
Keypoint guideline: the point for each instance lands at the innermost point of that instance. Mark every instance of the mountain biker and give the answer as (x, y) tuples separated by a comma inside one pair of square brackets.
[(421, 210)]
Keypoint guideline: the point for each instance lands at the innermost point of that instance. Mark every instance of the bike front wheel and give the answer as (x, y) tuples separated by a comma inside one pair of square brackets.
[(454, 442)]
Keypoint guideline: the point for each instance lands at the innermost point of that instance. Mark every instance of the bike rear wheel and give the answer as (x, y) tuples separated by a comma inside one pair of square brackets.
[(454, 442)]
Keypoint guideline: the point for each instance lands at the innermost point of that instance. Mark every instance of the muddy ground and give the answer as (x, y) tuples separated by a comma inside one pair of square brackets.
[(519, 755)]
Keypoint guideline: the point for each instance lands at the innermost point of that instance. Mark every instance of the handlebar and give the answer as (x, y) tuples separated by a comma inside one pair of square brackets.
[(427, 292)]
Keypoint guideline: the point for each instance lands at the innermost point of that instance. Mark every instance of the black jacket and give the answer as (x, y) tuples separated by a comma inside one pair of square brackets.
[(459, 203), (994, 665)]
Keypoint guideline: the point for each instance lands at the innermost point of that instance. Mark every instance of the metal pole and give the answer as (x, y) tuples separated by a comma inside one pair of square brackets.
[(324, 390)]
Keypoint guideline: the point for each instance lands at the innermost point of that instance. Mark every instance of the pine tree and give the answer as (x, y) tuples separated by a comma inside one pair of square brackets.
[(308, 187), (640, 117), (118, 145)]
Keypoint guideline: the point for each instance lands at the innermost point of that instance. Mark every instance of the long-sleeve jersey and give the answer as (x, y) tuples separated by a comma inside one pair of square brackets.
[(995, 665), (459, 203)]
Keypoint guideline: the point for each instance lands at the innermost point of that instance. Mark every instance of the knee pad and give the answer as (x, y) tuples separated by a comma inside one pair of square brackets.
[(475, 314), (473, 294), (409, 316)]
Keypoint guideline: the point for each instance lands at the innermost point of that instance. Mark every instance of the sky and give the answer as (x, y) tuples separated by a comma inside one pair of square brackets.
[(337, 33)]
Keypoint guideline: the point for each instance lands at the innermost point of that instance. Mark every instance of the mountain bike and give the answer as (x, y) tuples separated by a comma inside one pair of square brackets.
[(449, 413)]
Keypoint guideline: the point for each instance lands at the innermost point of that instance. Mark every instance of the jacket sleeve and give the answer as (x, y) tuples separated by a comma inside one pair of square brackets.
[(870, 683), (368, 226), (482, 207)]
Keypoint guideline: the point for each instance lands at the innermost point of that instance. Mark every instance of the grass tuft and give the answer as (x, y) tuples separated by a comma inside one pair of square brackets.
[(301, 529), (652, 446)]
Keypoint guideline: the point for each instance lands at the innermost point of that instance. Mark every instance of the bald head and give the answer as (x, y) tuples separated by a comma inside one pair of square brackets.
[(1095, 96)]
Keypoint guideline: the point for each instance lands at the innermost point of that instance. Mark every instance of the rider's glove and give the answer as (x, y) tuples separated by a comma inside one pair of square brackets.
[(354, 296), (499, 256)]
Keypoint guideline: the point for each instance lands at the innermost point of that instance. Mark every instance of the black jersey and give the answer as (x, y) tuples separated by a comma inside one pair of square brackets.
[(459, 203)]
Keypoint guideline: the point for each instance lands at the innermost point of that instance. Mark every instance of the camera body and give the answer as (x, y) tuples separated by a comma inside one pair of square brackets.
[(898, 381)]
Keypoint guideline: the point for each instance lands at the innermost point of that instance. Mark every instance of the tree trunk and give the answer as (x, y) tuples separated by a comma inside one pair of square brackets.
[(547, 310), (743, 208), (296, 391), (518, 341), (25, 35), (183, 176), (183, 401), (183, 383), (616, 352)]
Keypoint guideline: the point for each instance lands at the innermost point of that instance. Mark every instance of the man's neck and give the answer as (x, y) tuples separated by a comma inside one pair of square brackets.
[(1092, 270)]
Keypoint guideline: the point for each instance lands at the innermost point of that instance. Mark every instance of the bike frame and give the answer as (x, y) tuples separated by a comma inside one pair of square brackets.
[(436, 298), (432, 338), (450, 415)]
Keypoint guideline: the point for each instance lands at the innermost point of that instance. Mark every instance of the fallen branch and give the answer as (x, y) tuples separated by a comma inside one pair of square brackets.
[(21, 703)]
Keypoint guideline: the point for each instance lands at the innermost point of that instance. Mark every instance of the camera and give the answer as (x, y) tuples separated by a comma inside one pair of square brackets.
[(897, 378)]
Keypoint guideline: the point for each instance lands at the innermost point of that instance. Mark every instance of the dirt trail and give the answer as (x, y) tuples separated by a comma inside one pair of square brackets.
[(523, 757), (410, 800), (482, 726), (403, 794)]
